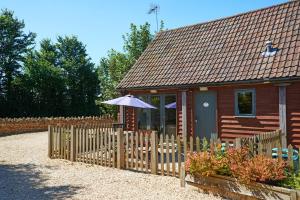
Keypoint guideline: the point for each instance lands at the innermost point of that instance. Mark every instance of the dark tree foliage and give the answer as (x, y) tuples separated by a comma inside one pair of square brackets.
[(44, 78), (62, 79), (59, 78), (80, 77), (14, 44)]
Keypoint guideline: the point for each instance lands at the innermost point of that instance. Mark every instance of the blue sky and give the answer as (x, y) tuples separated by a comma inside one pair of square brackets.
[(100, 24)]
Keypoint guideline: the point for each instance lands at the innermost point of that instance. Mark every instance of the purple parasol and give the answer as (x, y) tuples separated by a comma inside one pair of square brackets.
[(171, 105), (129, 100)]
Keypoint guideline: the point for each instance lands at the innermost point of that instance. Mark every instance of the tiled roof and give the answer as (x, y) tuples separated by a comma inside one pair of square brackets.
[(222, 51)]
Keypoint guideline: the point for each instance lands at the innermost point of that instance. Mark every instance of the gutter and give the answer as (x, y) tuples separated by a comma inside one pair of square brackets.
[(187, 86)]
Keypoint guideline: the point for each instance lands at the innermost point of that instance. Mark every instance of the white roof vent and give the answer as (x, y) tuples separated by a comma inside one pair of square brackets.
[(270, 51)]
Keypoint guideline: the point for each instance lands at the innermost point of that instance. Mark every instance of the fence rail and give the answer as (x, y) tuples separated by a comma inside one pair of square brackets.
[(144, 151)]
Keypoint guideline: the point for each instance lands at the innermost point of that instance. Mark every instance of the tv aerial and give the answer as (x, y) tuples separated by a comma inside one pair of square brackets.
[(154, 8)]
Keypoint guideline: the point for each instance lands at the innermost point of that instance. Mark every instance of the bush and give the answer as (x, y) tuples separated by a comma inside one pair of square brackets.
[(200, 164), (292, 181), (237, 163), (261, 169)]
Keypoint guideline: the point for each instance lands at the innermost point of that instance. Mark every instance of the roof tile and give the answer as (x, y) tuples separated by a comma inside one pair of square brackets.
[(224, 50)]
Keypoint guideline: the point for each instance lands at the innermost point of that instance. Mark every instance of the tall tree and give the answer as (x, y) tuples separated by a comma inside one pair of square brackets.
[(14, 44), (113, 67), (45, 79), (80, 74)]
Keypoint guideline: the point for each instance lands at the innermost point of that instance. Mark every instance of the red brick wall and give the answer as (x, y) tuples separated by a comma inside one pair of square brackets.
[(267, 112), (293, 113), (23, 125)]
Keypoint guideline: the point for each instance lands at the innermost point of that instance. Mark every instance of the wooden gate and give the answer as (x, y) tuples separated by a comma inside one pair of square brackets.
[(148, 152)]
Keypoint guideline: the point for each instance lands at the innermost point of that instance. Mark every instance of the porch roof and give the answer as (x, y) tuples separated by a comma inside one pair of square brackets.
[(222, 51)]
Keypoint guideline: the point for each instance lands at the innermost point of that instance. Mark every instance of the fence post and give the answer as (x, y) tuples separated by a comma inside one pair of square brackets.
[(182, 175), (238, 143), (154, 159), (120, 150), (73, 144), (50, 145)]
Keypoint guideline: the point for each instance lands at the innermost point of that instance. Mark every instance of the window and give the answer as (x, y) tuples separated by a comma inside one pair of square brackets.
[(161, 119), (170, 115), (143, 115), (155, 113), (245, 102)]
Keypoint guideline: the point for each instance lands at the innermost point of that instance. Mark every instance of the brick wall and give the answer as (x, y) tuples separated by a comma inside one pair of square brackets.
[(22, 125)]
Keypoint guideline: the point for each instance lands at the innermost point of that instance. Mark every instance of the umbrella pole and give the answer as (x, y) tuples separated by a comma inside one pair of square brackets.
[(121, 115)]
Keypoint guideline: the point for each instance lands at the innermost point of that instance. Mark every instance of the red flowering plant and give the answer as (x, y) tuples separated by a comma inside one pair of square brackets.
[(237, 163), (263, 169), (200, 164), (237, 160)]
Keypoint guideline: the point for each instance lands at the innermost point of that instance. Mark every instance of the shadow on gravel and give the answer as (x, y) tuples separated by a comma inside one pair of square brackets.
[(25, 182)]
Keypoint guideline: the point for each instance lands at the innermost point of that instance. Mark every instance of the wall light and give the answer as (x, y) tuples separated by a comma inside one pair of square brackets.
[(153, 91), (203, 88)]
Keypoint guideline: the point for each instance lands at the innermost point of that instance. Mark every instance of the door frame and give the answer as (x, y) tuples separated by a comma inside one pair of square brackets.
[(195, 92)]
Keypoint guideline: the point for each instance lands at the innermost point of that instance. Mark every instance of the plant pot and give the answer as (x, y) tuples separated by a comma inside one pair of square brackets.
[(230, 188)]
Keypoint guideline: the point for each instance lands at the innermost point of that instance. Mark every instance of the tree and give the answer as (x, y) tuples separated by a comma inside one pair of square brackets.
[(114, 67), (14, 44), (137, 41), (80, 77), (62, 79), (45, 79)]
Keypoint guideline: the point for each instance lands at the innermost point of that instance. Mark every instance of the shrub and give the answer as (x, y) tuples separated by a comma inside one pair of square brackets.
[(221, 162), (261, 169), (206, 164), (237, 163), (292, 181), (200, 164)]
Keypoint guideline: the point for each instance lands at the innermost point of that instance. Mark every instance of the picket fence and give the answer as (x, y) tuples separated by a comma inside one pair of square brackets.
[(143, 151)]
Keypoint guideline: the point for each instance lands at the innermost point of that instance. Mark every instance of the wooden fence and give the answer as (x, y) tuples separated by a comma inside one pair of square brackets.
[(143, 151)]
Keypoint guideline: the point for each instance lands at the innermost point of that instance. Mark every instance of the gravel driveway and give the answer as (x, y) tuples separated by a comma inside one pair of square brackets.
[(27, 173)]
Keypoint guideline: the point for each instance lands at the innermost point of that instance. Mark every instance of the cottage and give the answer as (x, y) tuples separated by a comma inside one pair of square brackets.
[(235, 76)]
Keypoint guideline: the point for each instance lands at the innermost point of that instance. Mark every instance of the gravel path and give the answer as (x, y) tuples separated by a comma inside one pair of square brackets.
[(27, 173)]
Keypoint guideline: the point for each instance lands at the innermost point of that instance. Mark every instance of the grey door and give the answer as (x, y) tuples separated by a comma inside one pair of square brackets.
[(205, 114)]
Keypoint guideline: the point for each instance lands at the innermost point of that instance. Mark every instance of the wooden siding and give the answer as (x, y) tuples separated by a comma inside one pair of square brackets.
[(267, 112), (179, 113), (230, 126), (190, 117), (293, 113)]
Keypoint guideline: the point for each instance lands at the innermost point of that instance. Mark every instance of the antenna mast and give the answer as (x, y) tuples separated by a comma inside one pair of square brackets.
[(154, 8)]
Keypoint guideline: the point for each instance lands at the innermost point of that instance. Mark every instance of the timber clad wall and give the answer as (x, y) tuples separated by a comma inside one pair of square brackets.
[(189, 101), (228, 125), (179, 113), (267, 112), (293, 113)]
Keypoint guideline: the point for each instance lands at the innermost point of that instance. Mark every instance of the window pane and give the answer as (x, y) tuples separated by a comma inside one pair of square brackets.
[(142, 115), (245, 102), (170, 115), (155, 113)]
